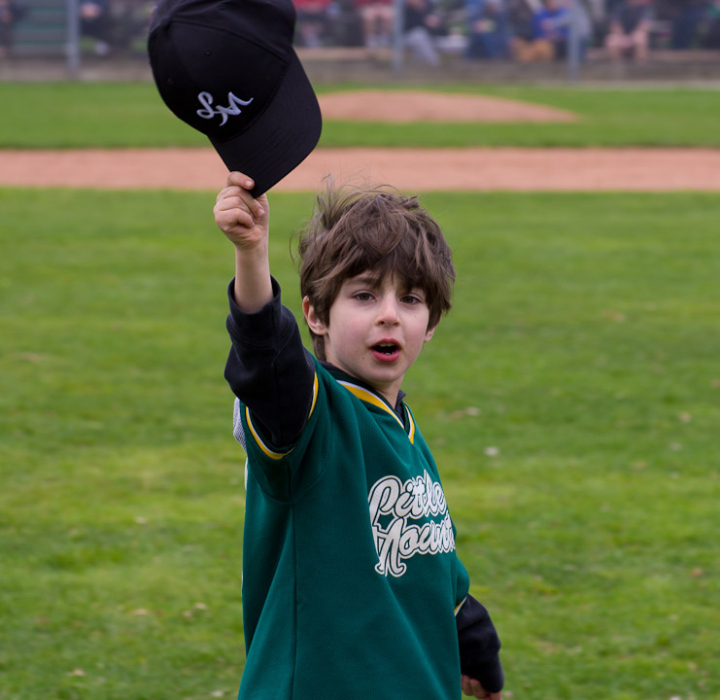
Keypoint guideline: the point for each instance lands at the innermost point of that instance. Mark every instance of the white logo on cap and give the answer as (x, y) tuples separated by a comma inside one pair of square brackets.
[(233, 108)]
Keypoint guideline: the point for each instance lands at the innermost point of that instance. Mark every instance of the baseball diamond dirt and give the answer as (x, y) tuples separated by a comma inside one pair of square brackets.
[(475, 169), (407, 106)]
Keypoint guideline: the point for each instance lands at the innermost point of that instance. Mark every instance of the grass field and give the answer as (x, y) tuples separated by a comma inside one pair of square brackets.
[(67, 115), (571, 397)]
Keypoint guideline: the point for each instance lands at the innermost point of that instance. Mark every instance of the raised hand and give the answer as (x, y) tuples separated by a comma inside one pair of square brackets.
[(242, 218)]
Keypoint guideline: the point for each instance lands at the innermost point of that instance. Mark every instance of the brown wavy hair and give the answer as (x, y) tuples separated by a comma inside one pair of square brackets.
[(377, 230)]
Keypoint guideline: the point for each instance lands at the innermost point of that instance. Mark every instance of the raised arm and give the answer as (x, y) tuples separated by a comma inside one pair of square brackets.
[(267, 369), (245, 222)]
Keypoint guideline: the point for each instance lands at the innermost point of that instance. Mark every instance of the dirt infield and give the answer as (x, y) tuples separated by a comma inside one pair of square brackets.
[(409, 106), (476, 169)]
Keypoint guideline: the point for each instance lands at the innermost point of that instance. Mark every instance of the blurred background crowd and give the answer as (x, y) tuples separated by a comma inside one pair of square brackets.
[(523, 30), (429, 30)]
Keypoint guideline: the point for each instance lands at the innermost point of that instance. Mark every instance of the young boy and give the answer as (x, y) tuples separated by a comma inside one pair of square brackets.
[(351, 585)]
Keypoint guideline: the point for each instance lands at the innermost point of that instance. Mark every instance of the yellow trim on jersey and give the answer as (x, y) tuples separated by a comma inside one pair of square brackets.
[(315, 395), (268, 452), (367, 396), (459, 605), (411, 432)]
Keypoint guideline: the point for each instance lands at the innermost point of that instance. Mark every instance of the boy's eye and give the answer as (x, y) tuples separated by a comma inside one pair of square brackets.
[(411, 299), (363, 296)]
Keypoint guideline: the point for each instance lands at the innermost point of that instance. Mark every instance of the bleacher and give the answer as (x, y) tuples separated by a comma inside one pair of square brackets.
[(41, 52), (42, 32)]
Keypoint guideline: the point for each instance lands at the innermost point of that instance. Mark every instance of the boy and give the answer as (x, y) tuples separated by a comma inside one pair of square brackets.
[(351, 585)]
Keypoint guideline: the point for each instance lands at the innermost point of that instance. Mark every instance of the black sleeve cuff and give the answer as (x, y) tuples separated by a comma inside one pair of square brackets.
[(489, 673), (479, 646), (268, 368), (257, 328)]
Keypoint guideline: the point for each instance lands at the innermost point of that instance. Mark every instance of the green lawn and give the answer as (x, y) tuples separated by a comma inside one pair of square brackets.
[(69, 115), (571, 397)]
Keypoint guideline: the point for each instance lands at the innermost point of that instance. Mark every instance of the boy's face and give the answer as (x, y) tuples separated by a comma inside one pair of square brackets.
[(375, 331)]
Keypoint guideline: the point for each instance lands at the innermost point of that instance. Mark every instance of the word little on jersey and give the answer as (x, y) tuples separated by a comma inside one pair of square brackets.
[(398, 502)]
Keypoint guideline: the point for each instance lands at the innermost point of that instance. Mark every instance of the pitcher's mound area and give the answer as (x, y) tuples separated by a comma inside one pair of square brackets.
[(416, 106)]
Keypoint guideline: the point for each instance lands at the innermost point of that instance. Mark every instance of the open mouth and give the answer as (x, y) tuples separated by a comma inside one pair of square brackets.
[(386, 348)]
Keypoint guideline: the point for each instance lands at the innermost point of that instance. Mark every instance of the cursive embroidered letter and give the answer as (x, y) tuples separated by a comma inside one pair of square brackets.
[(233, 108)]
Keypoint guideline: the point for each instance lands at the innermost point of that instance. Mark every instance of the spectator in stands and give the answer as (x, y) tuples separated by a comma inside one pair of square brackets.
[(7, 22), (549, 35), (312, 19), (378, 17), (421, 24), (688, 18), (581, 13), (711, 38), (95, 23), (10, 13), (520, 18), (488, 34), (630, 25), (597, 15)]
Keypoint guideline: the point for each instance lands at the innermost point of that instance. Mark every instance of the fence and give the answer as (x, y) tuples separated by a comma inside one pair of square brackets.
[(70, 29), (442, 36)]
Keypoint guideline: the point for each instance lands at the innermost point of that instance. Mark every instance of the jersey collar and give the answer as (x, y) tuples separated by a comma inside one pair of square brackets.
[(363, 392)]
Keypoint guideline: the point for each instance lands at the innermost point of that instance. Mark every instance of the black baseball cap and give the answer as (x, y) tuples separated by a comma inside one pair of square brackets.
[(228, 69)]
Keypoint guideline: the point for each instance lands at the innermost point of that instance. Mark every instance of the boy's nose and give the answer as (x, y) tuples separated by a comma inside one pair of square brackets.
[(388, 312)]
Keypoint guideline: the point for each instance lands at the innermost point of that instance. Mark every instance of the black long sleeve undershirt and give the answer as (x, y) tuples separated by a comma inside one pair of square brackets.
[(268, 368)]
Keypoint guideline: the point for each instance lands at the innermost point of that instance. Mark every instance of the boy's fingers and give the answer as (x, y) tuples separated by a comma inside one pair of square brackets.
[(235, 195), (473, 688), (234, 219), (240, 179), (233, 207), (229, 191), (232, 201)]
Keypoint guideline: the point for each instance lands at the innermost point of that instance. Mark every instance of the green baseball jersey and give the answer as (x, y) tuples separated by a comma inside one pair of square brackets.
[(350, 575)]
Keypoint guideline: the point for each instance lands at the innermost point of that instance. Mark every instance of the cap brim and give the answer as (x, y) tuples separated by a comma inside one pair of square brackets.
[(281, 137)]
